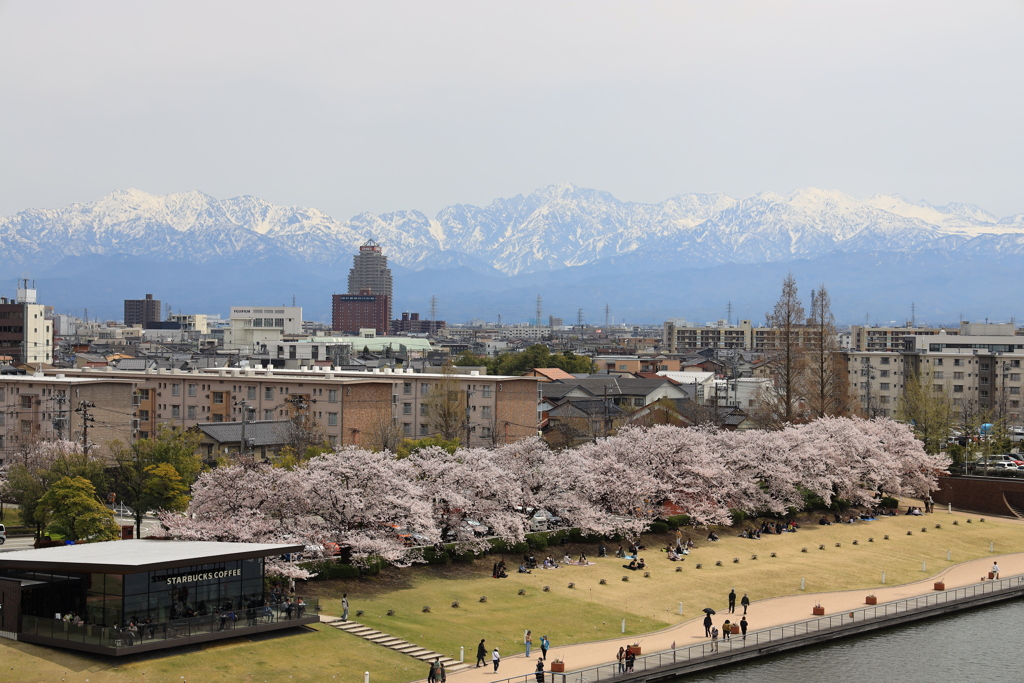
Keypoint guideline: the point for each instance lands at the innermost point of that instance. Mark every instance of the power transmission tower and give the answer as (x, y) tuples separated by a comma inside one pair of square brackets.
[(579, 318), (433, 315), (913, 314), (728, 314), (540, 310), (607, 314)]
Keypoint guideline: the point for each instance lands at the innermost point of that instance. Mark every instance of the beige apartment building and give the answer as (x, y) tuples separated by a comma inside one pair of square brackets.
[(45, 408), (979, 366), (346, 405)]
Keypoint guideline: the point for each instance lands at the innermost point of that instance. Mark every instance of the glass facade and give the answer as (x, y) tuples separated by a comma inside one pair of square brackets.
[(118, 612)]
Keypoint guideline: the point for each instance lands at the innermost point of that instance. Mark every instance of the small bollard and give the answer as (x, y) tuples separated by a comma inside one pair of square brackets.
[(991, 547), (883, 577), (680, 611), (801, 583), (623, 625), (462, 653), (949, 508), (366, 677), (949, 556), (923, 566)]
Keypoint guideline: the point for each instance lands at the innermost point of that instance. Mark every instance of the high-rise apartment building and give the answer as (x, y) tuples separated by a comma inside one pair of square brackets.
[(26, 335), (370, 271), (141, 311)]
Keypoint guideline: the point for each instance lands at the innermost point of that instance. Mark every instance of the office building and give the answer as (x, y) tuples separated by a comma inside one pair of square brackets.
[(353, 312)]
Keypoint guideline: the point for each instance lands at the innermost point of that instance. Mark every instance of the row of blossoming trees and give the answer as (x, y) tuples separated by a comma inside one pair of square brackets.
[(363, 499)]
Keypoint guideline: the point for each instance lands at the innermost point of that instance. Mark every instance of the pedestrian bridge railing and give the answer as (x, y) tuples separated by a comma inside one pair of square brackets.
[(760, 638)]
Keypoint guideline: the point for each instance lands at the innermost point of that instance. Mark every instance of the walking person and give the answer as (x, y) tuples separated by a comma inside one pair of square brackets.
[(528, 641), (745, 602), (540, 670), (495, 659), (344, 606), (707, 625), (621, 659), (432, 676), (442, 674), (630, 660), (714, 639), (481, 654), (732, 600), (544, 645), (743, 627), (726, 630)]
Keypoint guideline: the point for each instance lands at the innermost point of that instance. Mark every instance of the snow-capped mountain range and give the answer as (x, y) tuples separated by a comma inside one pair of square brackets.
[(578, 247), (557, 227)]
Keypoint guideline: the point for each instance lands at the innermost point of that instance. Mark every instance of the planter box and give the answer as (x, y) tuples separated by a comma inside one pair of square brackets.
[(558, 667), (635, 649), (734, 628), (940, 586), (871, 600), (818, 611)]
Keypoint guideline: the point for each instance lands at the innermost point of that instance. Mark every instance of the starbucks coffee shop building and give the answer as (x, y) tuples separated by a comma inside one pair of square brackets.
[(120, 597)]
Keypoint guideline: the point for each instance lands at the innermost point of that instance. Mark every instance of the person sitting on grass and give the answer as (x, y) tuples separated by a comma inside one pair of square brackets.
[(641, 564), (524, 570), (712, 536), (672, 555), (583, 559), (631, 566)]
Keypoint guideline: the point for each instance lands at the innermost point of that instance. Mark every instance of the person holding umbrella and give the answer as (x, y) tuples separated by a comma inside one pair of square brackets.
[(707, 621)]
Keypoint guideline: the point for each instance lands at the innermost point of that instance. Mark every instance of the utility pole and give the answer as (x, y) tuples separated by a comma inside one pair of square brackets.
[(83, 410), (244, 447), (58, 422)]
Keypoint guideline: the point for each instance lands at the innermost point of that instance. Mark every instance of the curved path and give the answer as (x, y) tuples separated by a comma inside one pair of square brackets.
[(762, 614)]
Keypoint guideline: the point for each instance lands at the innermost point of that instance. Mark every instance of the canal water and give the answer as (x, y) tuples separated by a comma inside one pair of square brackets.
[(982, 645)]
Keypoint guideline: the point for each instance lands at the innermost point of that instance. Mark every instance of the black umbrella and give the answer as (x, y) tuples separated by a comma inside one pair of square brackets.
[(709, 610)]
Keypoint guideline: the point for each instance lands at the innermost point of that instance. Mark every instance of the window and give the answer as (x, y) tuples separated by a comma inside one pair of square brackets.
[(143, 435), (26, 402), (406, 429), (406, 409), (957, 362), (250, 393), (938, 361), (143, 414), (332, 419), (26, 426), (485, 432), (883, 373), (292, 351), (332, 395), (1014, 376), (268, 393), (218, 418), (191, 412), (958, 375), (864, 386), (984, 366), (175, 390), (423, 409), (958, 388), (884, 386), (191, 389), (1013, 364), (939, 375), (3, 419), (638, 402), (485, 412), (984, 380), (1014, 390), (424, 430), (3, 394), (175, 411), (885, 361), (984, 393), (485, 390), (937, 388), (278, 322), (623, 366), (268, 414), (424, 387), (406, 387), (218, 397), (1013, 404)]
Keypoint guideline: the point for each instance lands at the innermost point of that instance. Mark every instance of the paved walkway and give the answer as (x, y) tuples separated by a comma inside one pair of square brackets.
[(762, 614)]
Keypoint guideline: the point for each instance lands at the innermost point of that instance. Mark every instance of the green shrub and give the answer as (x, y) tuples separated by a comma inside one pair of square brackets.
[(890, 502), (737, 516), (329, 569), (537, 541), (676, 521), (659, 528)]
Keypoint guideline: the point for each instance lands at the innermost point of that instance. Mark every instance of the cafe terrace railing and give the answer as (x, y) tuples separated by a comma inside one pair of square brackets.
[(761, 638), (118, 637)]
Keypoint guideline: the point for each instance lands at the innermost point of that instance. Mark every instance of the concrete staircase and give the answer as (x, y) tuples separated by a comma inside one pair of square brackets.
[(396, 644)]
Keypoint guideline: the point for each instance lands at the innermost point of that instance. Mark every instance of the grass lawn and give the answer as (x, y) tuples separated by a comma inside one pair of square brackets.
[(12, 517), (592, 611), (320, 653)]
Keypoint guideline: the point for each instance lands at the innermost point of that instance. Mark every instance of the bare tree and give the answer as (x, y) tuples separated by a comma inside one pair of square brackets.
[(827, 379), (785, 355), (928, 407), (384, 433), (446, 405)]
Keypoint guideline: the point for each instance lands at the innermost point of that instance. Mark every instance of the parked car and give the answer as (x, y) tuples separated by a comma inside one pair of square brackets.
[(543, 520), (3, 534)]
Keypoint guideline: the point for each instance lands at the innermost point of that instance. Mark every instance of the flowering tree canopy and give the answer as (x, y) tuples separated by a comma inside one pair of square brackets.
[(379, 505)]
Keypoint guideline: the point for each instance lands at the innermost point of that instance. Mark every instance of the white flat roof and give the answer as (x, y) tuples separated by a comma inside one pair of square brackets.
[(137, 555)]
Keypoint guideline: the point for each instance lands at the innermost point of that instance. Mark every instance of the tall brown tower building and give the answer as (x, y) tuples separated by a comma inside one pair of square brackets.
[(370, 272)]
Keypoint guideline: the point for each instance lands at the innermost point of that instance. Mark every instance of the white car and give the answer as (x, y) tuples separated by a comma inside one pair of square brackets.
[(3, 534)]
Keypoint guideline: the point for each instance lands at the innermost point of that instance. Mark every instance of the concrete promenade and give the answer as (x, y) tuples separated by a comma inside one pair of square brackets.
[(761, 615)]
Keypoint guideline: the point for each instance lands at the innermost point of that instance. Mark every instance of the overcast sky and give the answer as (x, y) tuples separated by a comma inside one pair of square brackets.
[(376, 106)]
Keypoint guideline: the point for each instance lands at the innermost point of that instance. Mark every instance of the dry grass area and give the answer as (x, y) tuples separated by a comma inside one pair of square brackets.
[(590, 611), (593, 611)]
